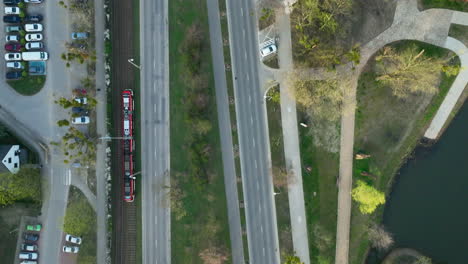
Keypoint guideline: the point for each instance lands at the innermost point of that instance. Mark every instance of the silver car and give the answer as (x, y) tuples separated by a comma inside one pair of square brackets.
[(68, 249), (14, 65), (9, 38)]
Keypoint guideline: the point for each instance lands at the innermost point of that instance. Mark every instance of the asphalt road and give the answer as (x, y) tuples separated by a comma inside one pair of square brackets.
[(154, 54), (260, 211), (224, 119)]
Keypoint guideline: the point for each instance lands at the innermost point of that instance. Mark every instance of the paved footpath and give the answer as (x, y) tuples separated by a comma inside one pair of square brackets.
[(458, 86), (291, 143)]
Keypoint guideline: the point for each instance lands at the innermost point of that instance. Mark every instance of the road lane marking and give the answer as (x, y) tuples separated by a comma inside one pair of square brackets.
[(243, 32), (250, 99), (248, 77), (255, 163), (263, 251), (251, 120), (242, 11), (155, 108), (253, 140)]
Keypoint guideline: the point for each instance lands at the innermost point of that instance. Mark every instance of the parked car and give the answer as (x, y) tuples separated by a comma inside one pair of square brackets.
[(29, 236), (68, 237), (13, 47), (11, 2), (34, 45), (79, 91), (33, 18), (28, 247), (14, 65), (82, 120), (12, 28), (9, 38), (33, 27), (79, 35), (12, 56), (33, 37), (81, 111), (12, 19), (268, 50), (33, 1), (81, 100), (28, 262), (12, 10), (68, 249), (15, 75), (34, 227), (36, 69), (35, 56), (28, 255)]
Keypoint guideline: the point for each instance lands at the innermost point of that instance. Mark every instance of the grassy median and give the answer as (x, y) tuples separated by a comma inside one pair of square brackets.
[(199, 229)]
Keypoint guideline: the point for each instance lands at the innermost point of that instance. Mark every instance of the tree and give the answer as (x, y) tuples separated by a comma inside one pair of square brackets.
[(367, 196), (201, 126), (321, 98), (423, 260), (379, 237), (214, 255), (292, 260), (24, 185), (408, 71), (63, 122), (281, 177)]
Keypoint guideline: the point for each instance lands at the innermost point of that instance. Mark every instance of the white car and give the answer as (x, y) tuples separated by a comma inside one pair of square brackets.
[(33, 27), (14, 65), (82, 120), (28, 247), (28, 262), (68, 249), (33, 37), (81, 100), (73, 239), (9, 38), (268, 50), (12, 10), (34, 45), (12, 56), (33, 1), (28, 255)]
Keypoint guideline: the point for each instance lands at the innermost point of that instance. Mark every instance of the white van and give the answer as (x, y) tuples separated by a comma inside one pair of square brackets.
[(35, 56)]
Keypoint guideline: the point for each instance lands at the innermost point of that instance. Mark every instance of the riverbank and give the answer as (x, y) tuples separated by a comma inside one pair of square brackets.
[(388, 129)]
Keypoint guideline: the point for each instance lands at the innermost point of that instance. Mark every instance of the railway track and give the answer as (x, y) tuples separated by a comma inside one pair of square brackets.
[(122, 77)]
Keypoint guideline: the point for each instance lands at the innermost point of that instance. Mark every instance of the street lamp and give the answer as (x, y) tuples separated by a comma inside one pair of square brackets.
[(131, 61)]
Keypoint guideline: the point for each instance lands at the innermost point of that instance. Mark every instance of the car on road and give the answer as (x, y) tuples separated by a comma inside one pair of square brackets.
[(33, 18), (28, 255), (33, 37), (12, 19), (14, 65), (12, 29), (14, 75), (29, 236), (28, 247), (79, 91), (33, 1), (11, 2), (12, 56), (12, 10), (12, 47), (9, 38), (82, 120), (268, 50), (73, 239), (33, 27), (34, 227), (69, 249), (81, 100), (79, 35), (34, 45)]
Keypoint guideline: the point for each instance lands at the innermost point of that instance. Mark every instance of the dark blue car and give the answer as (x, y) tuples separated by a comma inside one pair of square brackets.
[(14, 75), (11, 2), (33, 18), (12, 19)]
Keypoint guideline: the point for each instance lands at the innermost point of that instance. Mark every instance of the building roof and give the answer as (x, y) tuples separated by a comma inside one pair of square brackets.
[(10, 156)]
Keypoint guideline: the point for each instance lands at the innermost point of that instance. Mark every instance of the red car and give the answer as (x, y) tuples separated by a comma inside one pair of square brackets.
[(12, 47)]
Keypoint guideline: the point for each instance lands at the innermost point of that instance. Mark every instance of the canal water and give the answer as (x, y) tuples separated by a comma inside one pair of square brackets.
[(428, 207)]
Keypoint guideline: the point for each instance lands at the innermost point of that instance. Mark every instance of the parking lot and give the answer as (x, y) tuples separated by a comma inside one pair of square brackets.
[(25, 42)]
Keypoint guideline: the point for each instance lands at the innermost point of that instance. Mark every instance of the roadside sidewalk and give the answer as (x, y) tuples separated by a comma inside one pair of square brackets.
[(291, 143)]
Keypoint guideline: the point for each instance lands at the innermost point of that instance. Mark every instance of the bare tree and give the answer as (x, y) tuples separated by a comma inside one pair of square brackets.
[(379, 237), (214, 255)]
